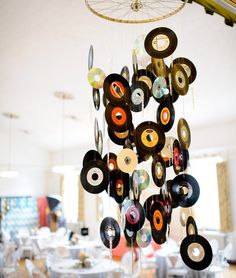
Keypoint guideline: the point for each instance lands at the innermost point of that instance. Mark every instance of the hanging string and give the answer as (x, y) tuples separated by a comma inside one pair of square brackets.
[(10, 143)]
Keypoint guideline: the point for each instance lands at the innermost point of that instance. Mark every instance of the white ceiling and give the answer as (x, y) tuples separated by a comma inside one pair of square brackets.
[(44, 47)]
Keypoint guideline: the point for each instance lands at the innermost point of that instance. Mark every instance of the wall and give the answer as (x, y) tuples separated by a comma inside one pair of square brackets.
[(30, 161)]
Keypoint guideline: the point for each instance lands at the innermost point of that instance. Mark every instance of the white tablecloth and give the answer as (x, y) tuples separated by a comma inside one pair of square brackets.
[(102, 269)]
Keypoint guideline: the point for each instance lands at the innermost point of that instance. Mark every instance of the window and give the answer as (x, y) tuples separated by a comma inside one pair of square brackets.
[(207, 212)]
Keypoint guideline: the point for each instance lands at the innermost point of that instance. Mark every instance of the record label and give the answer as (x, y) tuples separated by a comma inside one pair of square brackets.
[(127, 160), (149, 138), (166, 115)]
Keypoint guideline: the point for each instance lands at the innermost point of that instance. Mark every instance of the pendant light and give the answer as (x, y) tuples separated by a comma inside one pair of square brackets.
[(9, 172)]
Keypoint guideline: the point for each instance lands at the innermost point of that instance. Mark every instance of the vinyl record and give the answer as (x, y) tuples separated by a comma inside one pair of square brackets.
[(110, 160), (118, 137), (173, 95), (184, 160), (135, 62), (100, 142), (90, 58), (184, 133), (135, 216), (141, 178), (191, 227), (143, 238), (185, 190), (127, 160), (177, 156), (142, 157), (96, 132), (166, 115), (159, 88), (188, 66), (140, 95), (184, 213), (118, 118), (104, 100), (110, 232), (91, 155), (145, 76), (96, 78), (116, 89), (196, 252), (130, 236), (149, 137), (125, 73), (94, 176), (96, 98), (160, 42), (159, 67), (158, 170), (119, 185), (179, 79), (158, 223)]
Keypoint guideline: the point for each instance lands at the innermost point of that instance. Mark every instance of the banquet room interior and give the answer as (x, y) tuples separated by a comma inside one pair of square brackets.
[(51, 223)]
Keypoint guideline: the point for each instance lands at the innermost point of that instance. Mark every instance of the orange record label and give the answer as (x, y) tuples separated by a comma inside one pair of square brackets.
[(149, 138), (118, 116), (117, 89), (119, 187), (158, 220), (121, 135), (165, 116)]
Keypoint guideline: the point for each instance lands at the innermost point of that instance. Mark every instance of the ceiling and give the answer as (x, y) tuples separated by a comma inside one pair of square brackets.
[(44, 49)]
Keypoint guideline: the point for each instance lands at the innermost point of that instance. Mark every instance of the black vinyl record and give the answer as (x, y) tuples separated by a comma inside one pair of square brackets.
[(160, 42), (158, 170), (179, 79), (166, 115), (184, 133), (118, 137), (196, 252), (188, 66), (130, 236), (110, 160), (135, 216), (125, 73), (116, 89), (185, 190), (119, 185), (145, 76), (94, 176), (91, 155), (118, 118), (177, 157), (110, 232), (140, 95), (158, 222), (191, 227), (184, 160), (96, 98), (149, 138)]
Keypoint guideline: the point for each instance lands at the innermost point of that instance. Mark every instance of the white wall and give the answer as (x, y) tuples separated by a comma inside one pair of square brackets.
[(30, 161)]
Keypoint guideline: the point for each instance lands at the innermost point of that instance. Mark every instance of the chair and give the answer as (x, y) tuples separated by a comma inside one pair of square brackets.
[(33, 271)]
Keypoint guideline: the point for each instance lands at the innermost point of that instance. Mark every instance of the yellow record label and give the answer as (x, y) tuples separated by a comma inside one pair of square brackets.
[(149, 138)]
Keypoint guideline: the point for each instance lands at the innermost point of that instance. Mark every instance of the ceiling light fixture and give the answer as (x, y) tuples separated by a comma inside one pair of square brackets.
[(135, 11), (9, 172)]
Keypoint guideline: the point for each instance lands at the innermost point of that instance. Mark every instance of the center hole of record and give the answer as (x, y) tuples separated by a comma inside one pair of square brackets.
[(118, 116), (159, 170), (94, 176), (158, 220), (132, 215), (196, 252), (144, 237), (180, 79), (149, 137), (127, 160), (111, 166), (110, 232), (97, 77), (165, 115)]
